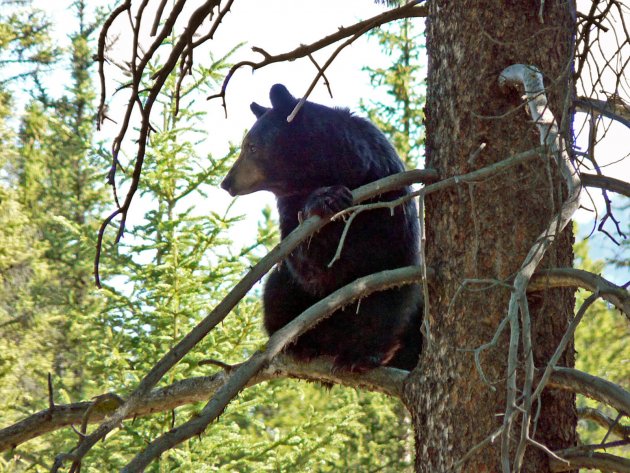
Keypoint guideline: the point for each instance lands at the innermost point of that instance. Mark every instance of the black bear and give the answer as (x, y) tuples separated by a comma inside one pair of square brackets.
[(310, 164)]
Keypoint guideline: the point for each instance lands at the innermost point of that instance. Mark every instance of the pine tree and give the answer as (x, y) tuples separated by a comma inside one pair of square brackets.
[(400, 113)]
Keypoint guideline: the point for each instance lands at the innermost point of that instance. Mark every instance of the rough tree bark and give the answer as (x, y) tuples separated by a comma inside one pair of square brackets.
[(484, 230)]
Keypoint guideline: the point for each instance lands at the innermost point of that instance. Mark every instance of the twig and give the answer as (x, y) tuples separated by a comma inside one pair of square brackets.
[(409, 10), (488, 440), (51, 399), (609, 109), (426, 319), (320, 70), (591, 461)]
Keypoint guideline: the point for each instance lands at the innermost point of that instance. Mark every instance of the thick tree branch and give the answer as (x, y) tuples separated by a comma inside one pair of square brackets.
[(606, 183), (570, 277), (385, 380), (591, 386), (590, 461)]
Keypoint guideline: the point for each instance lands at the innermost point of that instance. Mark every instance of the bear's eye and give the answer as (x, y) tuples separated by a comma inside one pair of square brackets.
[(252, 149)]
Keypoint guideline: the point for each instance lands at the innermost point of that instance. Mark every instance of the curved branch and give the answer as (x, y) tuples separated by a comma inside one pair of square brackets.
[(591, 386), (590, 460), (198, 389), (617, 111), (588, 413), (570, 277), (607, 183), (409, 10), (195, 21), (531, 79)]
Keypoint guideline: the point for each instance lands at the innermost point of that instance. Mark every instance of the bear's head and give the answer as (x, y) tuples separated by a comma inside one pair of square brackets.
[(280, 156)]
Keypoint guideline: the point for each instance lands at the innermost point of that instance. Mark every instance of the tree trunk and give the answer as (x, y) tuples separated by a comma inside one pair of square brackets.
[(484, 230)]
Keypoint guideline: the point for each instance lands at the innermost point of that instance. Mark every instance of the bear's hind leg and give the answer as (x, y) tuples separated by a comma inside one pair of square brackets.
[(375, 335)]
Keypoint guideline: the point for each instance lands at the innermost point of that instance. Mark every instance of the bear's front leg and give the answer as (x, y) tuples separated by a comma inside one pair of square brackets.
[(283, 301), (327, 201)]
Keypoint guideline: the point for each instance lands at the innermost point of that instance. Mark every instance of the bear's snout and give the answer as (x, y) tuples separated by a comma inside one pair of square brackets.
[(245, 177), (228, 183)]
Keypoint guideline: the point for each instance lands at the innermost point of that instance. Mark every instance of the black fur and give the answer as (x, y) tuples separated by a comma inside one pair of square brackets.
[(311, 164)]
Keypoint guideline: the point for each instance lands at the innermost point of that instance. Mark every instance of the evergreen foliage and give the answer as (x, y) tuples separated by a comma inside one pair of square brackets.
[(601, 343), (176, 262)]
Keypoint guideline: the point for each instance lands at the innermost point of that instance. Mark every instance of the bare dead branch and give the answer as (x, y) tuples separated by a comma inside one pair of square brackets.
[(570, 277), (591, 386), (384, 380), (159, 78), (614, 109), (409, 10), (532, 81), (280, 339), (605, 182), (486, 441), (618, 429), (320, 71), (591, 460), (426, 302), (51, 398), (188, 391), (100, 56), (566, 338)]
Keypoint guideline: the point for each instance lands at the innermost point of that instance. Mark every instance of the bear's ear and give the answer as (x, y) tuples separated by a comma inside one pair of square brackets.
[(258, 110), (281, 99)]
